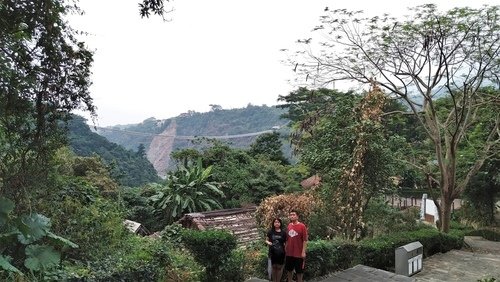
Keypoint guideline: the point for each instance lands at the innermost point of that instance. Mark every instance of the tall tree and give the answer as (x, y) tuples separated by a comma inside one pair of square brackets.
[(418, 59), (342, 139), (44, 74), (269, 145)]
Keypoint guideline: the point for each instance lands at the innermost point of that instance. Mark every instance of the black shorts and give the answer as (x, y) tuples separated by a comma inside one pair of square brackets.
[(295, 263)]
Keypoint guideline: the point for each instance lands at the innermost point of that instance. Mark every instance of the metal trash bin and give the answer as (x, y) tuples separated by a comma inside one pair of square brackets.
[(409, 259)]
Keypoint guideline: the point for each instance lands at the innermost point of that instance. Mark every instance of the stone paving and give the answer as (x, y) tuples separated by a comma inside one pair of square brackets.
[(479, 260), (458, 265)]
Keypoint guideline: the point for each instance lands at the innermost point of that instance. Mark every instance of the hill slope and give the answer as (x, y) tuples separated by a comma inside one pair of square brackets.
[(131, 168), (161, 137)]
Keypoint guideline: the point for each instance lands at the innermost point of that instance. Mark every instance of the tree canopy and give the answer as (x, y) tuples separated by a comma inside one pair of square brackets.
[(44, 74), (418, 59)]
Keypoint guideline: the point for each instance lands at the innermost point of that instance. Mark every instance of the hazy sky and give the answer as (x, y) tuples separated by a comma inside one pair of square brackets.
[(224, 52)]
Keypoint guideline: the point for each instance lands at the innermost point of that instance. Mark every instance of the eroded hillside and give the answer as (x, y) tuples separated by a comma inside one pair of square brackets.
[(161, 137), (160, 148)]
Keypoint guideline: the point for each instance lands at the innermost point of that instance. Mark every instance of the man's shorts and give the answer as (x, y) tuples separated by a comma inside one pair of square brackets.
[(292, 263)]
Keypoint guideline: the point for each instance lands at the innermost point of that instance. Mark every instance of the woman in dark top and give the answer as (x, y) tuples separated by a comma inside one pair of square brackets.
[(276, 239)]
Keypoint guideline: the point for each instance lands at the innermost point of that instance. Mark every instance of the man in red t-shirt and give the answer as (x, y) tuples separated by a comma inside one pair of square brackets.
[(295, 248)]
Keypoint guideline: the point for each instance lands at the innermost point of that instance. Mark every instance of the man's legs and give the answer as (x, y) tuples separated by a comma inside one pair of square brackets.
[(299, 269), (289, 266)]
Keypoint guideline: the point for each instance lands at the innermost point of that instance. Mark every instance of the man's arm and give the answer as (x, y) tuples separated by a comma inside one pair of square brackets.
[(304, 242)]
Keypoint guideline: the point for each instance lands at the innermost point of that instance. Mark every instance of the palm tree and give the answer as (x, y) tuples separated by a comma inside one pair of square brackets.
[(188, 189)]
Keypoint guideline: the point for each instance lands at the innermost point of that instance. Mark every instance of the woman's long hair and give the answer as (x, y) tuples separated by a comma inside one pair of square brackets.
[(278, 219)]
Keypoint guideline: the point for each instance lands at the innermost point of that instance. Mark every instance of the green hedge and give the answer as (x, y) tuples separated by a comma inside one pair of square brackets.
[(488, 234), (379, 252), (324, 257)]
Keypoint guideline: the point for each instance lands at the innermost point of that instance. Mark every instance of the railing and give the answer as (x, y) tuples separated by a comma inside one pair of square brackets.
[(406, 202)]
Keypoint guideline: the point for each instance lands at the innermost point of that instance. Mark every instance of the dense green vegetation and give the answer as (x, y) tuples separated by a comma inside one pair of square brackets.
[(129, 168), (218, 122), (146, 130), (65, 191), (418, 59)]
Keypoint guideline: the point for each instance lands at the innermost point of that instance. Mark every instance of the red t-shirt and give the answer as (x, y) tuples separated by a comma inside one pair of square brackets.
[(296, 235)]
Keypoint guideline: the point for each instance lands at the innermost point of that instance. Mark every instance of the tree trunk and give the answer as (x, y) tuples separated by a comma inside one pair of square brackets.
[(445, 213)]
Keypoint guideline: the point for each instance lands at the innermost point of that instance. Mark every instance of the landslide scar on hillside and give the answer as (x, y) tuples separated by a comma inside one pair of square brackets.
[(161, 147)]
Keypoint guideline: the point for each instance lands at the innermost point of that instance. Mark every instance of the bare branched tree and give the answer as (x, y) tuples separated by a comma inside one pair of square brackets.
[(420, 58)]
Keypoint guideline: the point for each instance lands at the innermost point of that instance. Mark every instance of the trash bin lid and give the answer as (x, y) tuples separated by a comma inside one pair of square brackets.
[(411, 246)]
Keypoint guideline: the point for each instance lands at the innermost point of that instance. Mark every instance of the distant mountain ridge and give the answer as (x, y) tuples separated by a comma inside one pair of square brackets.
[(161, 137), (129, 167)]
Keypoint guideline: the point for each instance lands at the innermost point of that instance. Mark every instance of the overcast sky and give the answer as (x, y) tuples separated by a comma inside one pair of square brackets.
[(224, 52)]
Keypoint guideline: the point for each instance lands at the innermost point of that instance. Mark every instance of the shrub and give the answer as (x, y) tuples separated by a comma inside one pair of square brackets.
[(137, 259), (27, 243), (327, 256), (281, 205), (182, 267), (256, 260), (488, 234), (212, 248), (322, 224), (172, 233), (379, 252), (232, 268), (384, 219)]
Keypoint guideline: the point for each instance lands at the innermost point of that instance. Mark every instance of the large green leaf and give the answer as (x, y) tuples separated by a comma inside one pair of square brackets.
[(205, 205), (213, 203), (214, 189), (5, 264), (32, 227), (206, 173), (41, 257), (6, 235), (61, 240), (185, 203), (6, 206), (174, 211)]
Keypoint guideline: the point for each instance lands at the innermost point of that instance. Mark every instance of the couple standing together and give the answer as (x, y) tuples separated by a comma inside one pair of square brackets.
[(290, 243)]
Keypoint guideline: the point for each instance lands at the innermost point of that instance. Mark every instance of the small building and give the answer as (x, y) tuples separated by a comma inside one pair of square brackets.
[(239, 221), (311, 182), (136, 227)]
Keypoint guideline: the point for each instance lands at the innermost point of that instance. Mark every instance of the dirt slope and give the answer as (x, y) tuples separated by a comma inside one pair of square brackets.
[(160, 149)]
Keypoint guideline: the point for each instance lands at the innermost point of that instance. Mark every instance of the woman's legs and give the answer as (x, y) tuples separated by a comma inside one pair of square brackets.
[(277, 272)]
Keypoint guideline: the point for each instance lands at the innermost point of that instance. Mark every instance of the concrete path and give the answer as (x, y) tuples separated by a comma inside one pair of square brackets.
[(363, 273), (480, 259), (457, 265)]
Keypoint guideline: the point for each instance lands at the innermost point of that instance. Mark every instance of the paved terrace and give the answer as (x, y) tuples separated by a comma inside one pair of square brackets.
[(479, 260)]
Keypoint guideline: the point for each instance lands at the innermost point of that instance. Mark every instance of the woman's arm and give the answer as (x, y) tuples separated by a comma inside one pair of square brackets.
[(268, 239)]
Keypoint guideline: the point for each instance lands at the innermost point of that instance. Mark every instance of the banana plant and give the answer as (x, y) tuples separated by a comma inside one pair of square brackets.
[(188, 189)]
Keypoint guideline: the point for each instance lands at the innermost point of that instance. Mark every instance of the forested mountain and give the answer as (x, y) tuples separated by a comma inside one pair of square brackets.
[(130, 168), (161, 137)]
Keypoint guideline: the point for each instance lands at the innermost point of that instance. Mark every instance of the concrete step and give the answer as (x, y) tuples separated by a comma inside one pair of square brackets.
[(363, 273)]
